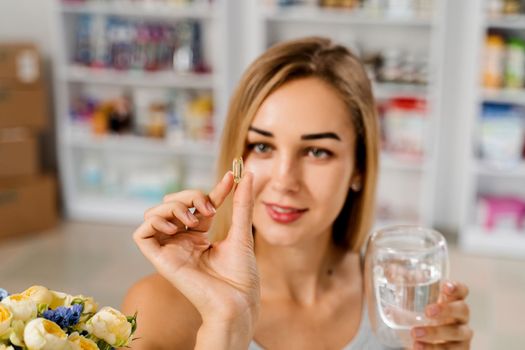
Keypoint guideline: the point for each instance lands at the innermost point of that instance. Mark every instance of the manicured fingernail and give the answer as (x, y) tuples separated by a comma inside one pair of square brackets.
[(420, 332), (210, 207), (171, 225), (191, 217), (450, 287), (433, 310)]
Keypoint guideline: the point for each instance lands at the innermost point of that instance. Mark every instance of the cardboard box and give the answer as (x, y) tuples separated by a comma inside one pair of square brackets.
[(24, 107), (27, 205), (18, 153), (20, 64)]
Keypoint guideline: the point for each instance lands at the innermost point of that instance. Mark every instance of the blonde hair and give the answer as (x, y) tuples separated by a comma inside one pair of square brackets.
[(337, 66)]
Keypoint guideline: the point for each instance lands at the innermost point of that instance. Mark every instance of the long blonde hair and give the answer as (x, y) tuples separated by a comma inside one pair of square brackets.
[(337, 66)]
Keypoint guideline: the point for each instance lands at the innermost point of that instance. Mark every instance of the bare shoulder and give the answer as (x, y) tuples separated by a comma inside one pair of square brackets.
[(166, 319)]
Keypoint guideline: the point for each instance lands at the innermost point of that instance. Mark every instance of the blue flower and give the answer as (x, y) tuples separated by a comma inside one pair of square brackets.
[(63, 316), (3, 294)]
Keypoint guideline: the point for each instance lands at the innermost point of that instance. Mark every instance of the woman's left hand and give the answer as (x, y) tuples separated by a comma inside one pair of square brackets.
[(451, 316)]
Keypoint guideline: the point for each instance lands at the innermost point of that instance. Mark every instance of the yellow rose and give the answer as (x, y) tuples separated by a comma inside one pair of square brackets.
[(41, 295), (111, 326), (42, 334), (22, 307), (5, 319), (80, 343), (6, 347)]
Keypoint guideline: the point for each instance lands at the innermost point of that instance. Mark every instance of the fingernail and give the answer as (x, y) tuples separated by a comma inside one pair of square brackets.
[(191, 217), (450, 287), (210, 207), (433, 310), (171, 226), (420, 332)]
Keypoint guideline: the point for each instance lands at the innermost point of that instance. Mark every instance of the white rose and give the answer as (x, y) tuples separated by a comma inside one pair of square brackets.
[(17, 333), (42, 334), (111, 326), (59, 299), (5, 319), (6, 347), (41, 295), (90, 305), (78, 342), (22, 307)]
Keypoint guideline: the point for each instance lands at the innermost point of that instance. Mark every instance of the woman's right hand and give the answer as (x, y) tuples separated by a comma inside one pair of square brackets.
[(220, 280)]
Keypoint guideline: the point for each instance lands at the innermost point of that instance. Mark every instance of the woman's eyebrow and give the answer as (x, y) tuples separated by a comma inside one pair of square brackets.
[(323, 135)]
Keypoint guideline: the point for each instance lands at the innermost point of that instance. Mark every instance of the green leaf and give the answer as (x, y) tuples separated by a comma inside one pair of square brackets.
[(133, 321)]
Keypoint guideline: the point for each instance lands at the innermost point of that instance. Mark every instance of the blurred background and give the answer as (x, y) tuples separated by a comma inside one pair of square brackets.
[(106, 105)]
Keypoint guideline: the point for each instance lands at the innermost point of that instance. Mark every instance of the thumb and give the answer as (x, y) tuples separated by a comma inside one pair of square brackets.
[(241, 229)]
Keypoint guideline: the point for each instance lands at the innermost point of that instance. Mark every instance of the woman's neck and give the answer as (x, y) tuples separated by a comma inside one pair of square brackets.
[(298, 273)]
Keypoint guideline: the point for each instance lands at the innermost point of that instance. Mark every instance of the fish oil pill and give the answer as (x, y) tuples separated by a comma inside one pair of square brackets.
[(237, 169)]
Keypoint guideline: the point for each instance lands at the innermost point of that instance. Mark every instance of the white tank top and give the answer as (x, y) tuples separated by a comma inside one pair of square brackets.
[(364, 339)]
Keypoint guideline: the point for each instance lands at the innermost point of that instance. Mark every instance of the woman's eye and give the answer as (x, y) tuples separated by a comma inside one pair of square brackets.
[(260, 147), (319, 153)]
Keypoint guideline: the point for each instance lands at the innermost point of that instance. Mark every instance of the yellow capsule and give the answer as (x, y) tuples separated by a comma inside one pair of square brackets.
[(237, 169)]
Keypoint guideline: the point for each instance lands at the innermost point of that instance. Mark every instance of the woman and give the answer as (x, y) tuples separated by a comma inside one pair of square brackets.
[(303, 117)]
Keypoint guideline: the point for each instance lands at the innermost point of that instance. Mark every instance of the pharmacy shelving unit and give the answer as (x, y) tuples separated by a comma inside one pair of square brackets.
[(410, 184), (478, 176), (195, 160)]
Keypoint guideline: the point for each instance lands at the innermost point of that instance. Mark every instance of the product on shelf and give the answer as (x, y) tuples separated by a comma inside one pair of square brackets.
[(497, 8), (396, 66), (494, 61), (515, 63), (132, 178), (125, 44), (504, 63), (501, 212), (502, 131), (403, 127)]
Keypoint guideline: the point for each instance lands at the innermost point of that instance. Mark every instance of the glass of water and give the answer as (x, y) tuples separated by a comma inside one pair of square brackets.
[(405, 267)]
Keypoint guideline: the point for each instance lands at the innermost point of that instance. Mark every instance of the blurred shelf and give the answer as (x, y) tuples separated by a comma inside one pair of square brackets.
[(138, 144), (390, 90), (486, 169), (137, 78), (102, 208), (392, 162), (148, 10), (507, 22), (314, 14), (505, 243), (516, 96)]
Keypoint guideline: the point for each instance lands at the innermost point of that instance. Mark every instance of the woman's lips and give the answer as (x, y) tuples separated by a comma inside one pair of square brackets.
[(283, 215)]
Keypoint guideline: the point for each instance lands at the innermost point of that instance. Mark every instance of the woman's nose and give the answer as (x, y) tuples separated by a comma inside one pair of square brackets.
[(286, 174)]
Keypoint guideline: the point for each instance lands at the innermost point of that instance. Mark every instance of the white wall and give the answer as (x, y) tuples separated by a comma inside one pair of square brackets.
[(29, 20)]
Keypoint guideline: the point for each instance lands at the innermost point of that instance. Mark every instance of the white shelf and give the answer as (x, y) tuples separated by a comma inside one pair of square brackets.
[(485, 169), (130, 143), (497, 243), (105, 209), (145, 10), (390, 90), (391, 162), (507, 22), (168, 79), (315, 14), (516, 96)]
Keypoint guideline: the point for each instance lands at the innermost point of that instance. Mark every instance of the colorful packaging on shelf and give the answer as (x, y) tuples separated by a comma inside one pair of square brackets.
[(124, 44), (502, 133), (404, 126), (501, 212)]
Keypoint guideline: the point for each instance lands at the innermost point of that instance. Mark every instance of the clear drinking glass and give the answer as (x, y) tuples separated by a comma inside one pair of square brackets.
[(405, 267)]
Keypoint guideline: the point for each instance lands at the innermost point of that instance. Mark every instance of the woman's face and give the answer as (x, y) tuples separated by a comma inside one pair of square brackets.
[(301, 149)]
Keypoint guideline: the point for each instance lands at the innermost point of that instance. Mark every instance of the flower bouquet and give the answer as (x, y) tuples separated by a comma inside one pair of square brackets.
[(42, 319)]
